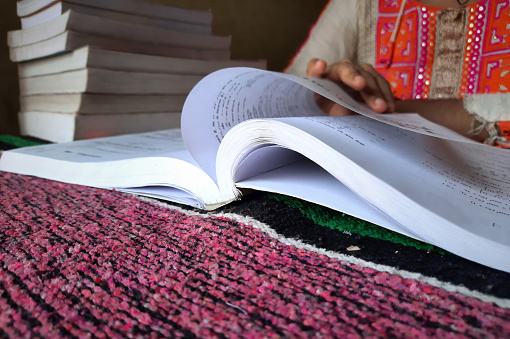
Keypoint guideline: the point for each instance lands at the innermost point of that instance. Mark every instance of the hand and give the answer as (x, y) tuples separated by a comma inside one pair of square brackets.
[(363, 81)]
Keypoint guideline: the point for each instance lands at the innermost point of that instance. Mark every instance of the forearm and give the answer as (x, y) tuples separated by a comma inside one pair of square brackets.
[(446, 112)]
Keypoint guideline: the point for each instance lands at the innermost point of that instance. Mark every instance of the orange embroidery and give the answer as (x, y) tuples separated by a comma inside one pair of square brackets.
[(495, 74), (504, 127), (497, 38), (401, 80)]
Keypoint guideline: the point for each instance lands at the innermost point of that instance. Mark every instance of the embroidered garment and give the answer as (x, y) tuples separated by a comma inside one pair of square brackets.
[(437, 53)]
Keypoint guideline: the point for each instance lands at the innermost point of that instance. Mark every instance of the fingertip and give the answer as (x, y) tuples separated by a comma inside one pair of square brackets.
[(379, 102), (390, 104), (379, 105), (358, 82), (391, 107), (316, 67), (320, 65)]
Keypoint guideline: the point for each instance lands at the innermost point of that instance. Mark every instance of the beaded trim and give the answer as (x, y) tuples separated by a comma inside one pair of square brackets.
[(470, 67)]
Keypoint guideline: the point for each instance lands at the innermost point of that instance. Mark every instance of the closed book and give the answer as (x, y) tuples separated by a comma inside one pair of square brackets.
[(101, 103), (94, 80), (58, 127), (137, 7), (114, 60), (90, 24), (57, 8), (71, 40)]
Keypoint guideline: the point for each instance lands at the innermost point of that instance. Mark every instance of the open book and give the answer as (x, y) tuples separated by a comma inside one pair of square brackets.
[(248, 128)]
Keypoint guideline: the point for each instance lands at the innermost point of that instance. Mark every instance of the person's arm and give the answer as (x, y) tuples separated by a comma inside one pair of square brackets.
[(449, 113), (482, 117)]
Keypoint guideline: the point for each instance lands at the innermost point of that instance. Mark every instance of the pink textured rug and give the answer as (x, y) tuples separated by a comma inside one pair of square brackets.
[(77, 261)]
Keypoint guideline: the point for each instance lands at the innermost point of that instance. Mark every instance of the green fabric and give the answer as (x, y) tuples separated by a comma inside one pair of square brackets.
[(17, 141), (342, 222)]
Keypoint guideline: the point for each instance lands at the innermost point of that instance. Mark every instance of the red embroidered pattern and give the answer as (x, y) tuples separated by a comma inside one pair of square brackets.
[(495, 57), (504, 127), (486, 60)]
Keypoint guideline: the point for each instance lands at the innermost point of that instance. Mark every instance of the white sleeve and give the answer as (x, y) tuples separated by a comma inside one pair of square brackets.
[(489, 107), (487, 110), (333, 38)]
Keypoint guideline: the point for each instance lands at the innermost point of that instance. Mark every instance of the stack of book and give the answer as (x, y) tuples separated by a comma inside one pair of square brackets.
[(92, 68)]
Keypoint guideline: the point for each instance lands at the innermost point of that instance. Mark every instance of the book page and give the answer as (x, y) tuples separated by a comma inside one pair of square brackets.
[(308, 181), (230, 96), (153, 144), (456, 175), (412, 122), (227, 97), (452, 194), (136, 160)]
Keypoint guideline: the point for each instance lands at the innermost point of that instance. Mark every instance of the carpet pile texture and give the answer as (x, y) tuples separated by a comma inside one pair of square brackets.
[(78, 261)]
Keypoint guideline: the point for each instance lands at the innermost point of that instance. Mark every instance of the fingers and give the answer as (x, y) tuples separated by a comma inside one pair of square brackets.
[(385, 87), (368, 82), (364, 79), (371, 86), (378, 92), (315, 68), (331, 107), (347, 73)]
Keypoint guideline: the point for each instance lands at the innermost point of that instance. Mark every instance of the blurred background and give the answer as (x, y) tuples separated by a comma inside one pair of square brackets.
[(260, 29)]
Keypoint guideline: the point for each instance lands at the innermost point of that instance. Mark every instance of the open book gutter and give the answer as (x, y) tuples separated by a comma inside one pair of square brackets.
[(248, 128)]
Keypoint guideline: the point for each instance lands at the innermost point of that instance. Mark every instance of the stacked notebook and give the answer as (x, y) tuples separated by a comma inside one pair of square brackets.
[(93, 68)]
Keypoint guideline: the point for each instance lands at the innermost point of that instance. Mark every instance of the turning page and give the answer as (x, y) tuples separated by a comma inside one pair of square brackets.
[(232, 95), (308, 181), (227, 97), (451, 194)]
